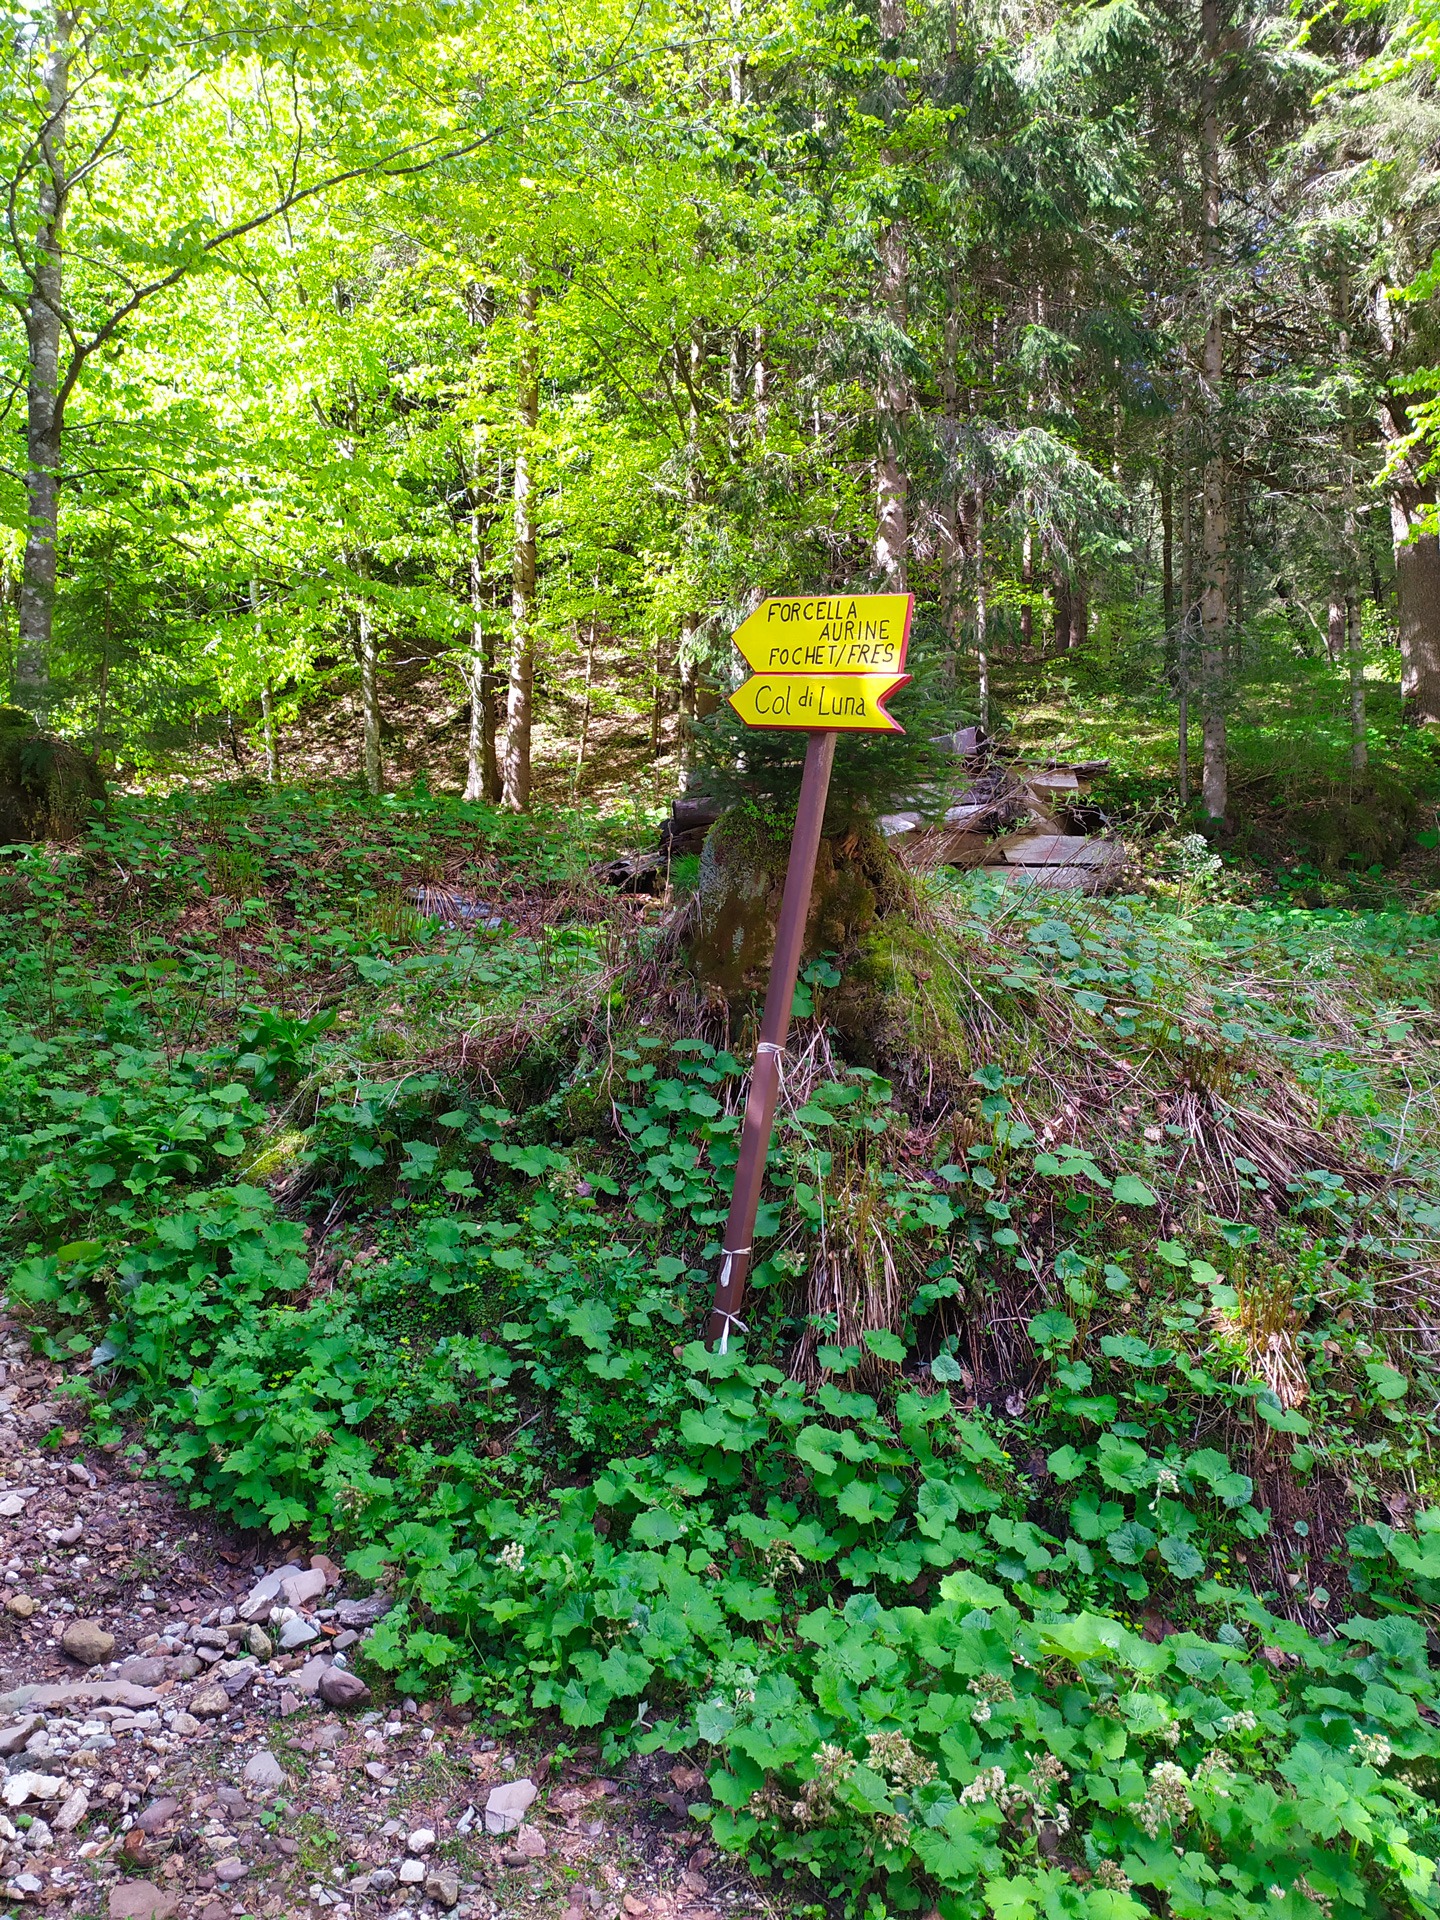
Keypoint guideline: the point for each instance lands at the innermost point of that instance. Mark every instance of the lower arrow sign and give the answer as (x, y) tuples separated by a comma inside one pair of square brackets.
[(834, 702)]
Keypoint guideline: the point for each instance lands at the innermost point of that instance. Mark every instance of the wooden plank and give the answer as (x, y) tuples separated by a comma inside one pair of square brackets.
[(1052, 850)]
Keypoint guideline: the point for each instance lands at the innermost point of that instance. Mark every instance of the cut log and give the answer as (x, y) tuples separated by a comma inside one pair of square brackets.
[(1058, 850), (943, 847), (1052, 879)]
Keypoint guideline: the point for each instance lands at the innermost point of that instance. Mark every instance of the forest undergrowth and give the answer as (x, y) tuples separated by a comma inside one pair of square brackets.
[(1063, 1535)]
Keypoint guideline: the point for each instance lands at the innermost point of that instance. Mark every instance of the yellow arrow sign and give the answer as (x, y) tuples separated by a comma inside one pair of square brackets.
[(842, 702), (839, 633)]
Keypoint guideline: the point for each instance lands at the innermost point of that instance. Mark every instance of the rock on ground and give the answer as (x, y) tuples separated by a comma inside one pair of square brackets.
[(151, 1781)]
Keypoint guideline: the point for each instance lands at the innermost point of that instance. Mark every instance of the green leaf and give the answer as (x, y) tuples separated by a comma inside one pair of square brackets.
[(1051, 1328), (1181, 1558), (884, 1345), (1066, 1464), (1131, 1192), (1274, 1415)]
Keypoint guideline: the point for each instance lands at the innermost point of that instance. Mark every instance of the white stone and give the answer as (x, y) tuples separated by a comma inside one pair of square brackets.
[(73, 1810), (508, 1804), (411, 1873), (263, 1774), (21, 1787), (303, 1587), (421, 1840), (261, 1597), (11, 1506)]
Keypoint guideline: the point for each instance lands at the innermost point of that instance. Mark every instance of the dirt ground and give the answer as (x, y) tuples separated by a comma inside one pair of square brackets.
[(197, 1771)]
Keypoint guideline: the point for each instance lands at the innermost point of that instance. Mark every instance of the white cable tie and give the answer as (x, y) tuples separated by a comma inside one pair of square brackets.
[(731, 1320), (731, 1253)]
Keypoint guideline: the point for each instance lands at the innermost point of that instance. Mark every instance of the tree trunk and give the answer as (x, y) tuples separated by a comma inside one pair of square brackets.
[(267, 717), (1417, 610), (687, 663), (658, 691), (1062, 612), (1167, 541), (107, 635), (1027, 581), (583, 746), (892, 485), (1359, 750), (1079, 612), (1335, 641), (482, 766), (370, 699), (950, 534), (1185, 629), (982, 647), (1215, 780), (44, 408), (1417, 555), (520, 703)]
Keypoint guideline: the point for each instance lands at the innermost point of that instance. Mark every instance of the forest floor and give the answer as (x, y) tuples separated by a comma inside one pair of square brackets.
[(365, 1162), (265, 1801)]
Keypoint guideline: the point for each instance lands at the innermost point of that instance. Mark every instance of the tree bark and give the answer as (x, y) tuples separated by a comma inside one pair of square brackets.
[(1079, 612), (1355, 640), (1215, 780), (1417, 554), (1335, 641), (1061, 637), (44, 410), (982, 644), (583, 746), (482, 766), (370, 699), (1167, 541), (1185, 623), (267, 716), (519, 709), (892, 483), (950, 540)]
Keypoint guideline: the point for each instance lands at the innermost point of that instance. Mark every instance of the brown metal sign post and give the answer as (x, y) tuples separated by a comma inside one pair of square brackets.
[(858, 632)]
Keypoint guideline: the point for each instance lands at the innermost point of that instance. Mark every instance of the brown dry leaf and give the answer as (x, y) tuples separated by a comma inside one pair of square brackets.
[(572, 1799), (686, 1779)]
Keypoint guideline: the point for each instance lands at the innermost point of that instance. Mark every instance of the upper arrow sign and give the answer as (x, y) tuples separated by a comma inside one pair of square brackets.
[(842, 633)]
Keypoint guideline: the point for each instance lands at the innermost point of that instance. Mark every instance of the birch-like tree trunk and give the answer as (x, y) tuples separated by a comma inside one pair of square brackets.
[(482, 765), (1214, 534), (950, 539), (892, 482), (267, 716), (1354, 635), (519, 706), (982, 641), (370, 698), (44, 410)]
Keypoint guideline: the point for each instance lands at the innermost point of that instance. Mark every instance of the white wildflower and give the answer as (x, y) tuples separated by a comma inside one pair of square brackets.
[(988, 1784), (512, 1556)]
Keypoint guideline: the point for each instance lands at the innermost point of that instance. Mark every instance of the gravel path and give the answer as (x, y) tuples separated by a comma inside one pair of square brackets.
[(182, 1738)]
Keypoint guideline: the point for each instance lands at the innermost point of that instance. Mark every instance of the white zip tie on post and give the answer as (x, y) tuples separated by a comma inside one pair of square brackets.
[(731, 1254), (731, 1320)]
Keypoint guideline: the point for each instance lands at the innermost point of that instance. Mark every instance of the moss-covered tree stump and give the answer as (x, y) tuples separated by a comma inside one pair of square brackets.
[(742, 880), (49, 789)]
